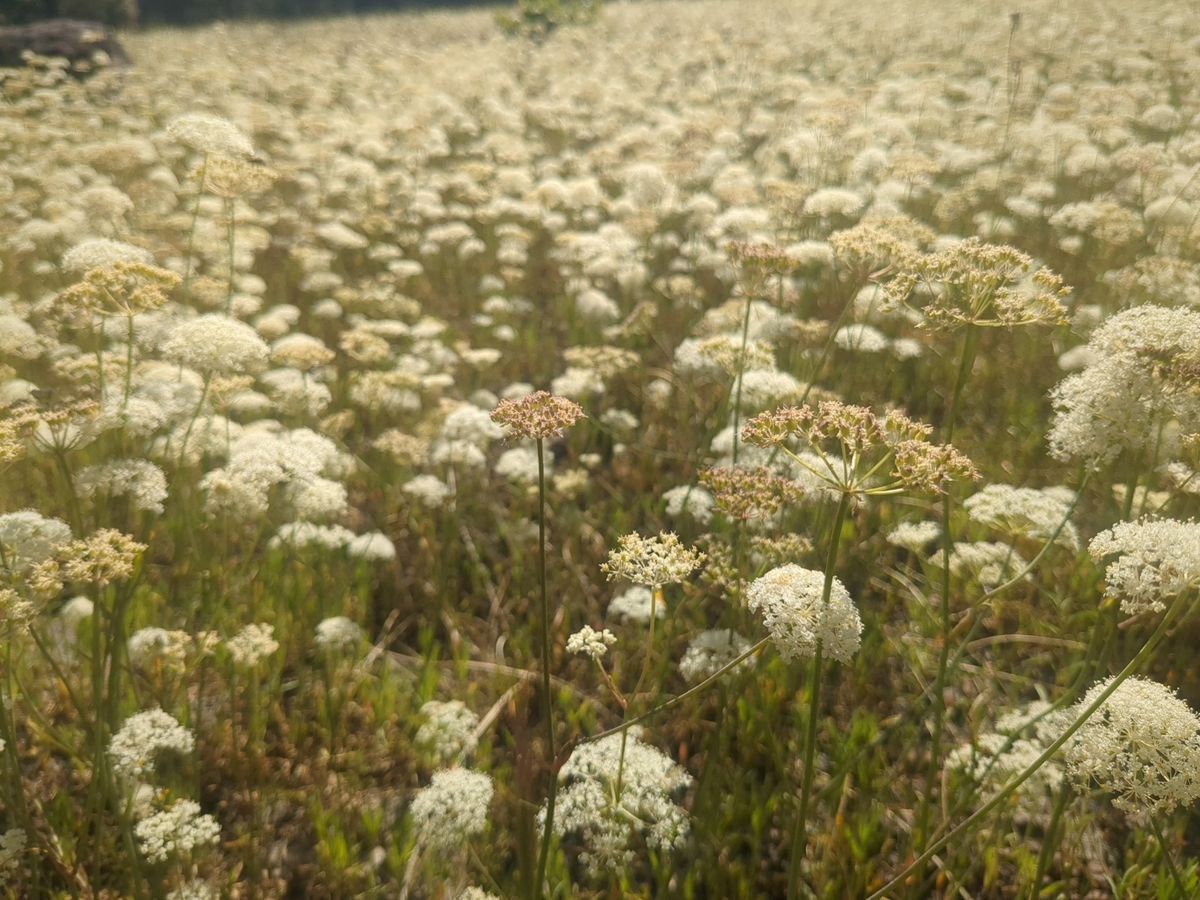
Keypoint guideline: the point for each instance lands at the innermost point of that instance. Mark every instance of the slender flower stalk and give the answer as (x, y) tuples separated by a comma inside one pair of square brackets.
[(191, 241), (799, 829), (1160, 836), (1050, 839), (547, 828), (230, 230), (966, 360), (539, 416), (651, 562), (654, 711)]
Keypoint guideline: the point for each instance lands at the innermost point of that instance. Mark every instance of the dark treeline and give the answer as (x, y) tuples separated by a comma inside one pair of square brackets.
[(186, 12)]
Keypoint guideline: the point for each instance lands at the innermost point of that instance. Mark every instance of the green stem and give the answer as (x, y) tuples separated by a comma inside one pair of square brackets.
[(1050, 840), (1142, 655), (1130, 492), (1176, 876), (667, 704), (548, 697), (737, 399), (943, 670), (187, 259), (128, 362), (814, 709), (229, 234), (187, 434), (116, 647), (59, 673), (637, 687)]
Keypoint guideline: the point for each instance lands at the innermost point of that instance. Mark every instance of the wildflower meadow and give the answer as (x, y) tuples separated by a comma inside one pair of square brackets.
[(740, 449)]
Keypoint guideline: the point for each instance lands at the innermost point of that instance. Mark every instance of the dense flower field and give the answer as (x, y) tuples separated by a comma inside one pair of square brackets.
[(736, 449)]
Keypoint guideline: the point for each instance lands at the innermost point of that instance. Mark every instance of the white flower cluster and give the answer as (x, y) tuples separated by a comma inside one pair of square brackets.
[(1124, 397), (1142, 745), (12, 845), (142, 737), (1026, 512), (789, 599), (139, 479), (635, 605), (338, 634), (371, 546), (448, 729), (651, 561), (710, 651), (997, 756), (914, 536), (520, 465), (299, 462), (428, 490), (27, 537), (691, 500), (97, 252), (252, 644), (207, 133), (213, 344), (180, 828), (1157, 559), (465, 434), (158, 645), (451, 808), (589, 642), (988, 562), (607, 820)]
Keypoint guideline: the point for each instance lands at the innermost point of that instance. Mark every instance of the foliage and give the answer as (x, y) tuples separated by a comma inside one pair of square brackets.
[(536, 19)]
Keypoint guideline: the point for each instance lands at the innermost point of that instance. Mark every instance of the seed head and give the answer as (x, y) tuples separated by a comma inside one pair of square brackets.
[(651, 561), (749, 493), (538, 415)]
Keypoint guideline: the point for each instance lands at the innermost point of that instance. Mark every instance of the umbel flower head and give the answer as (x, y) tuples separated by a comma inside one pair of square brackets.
[(230, 177), (590, 642), (607, 818), (859, 451), (1157, 559), (1026, 512), (252, 644), (142, 737), (1142, 377), (651, 561), (749, 493), (448, 729), (120, 288), (101, 558), (997, 756), (1142, 745), (338, 633), (757, 262), (213, 344), (789, 599), (452, 808), (538, 415), (974, 283), (710, 651), (207, 133), (180, 828)]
